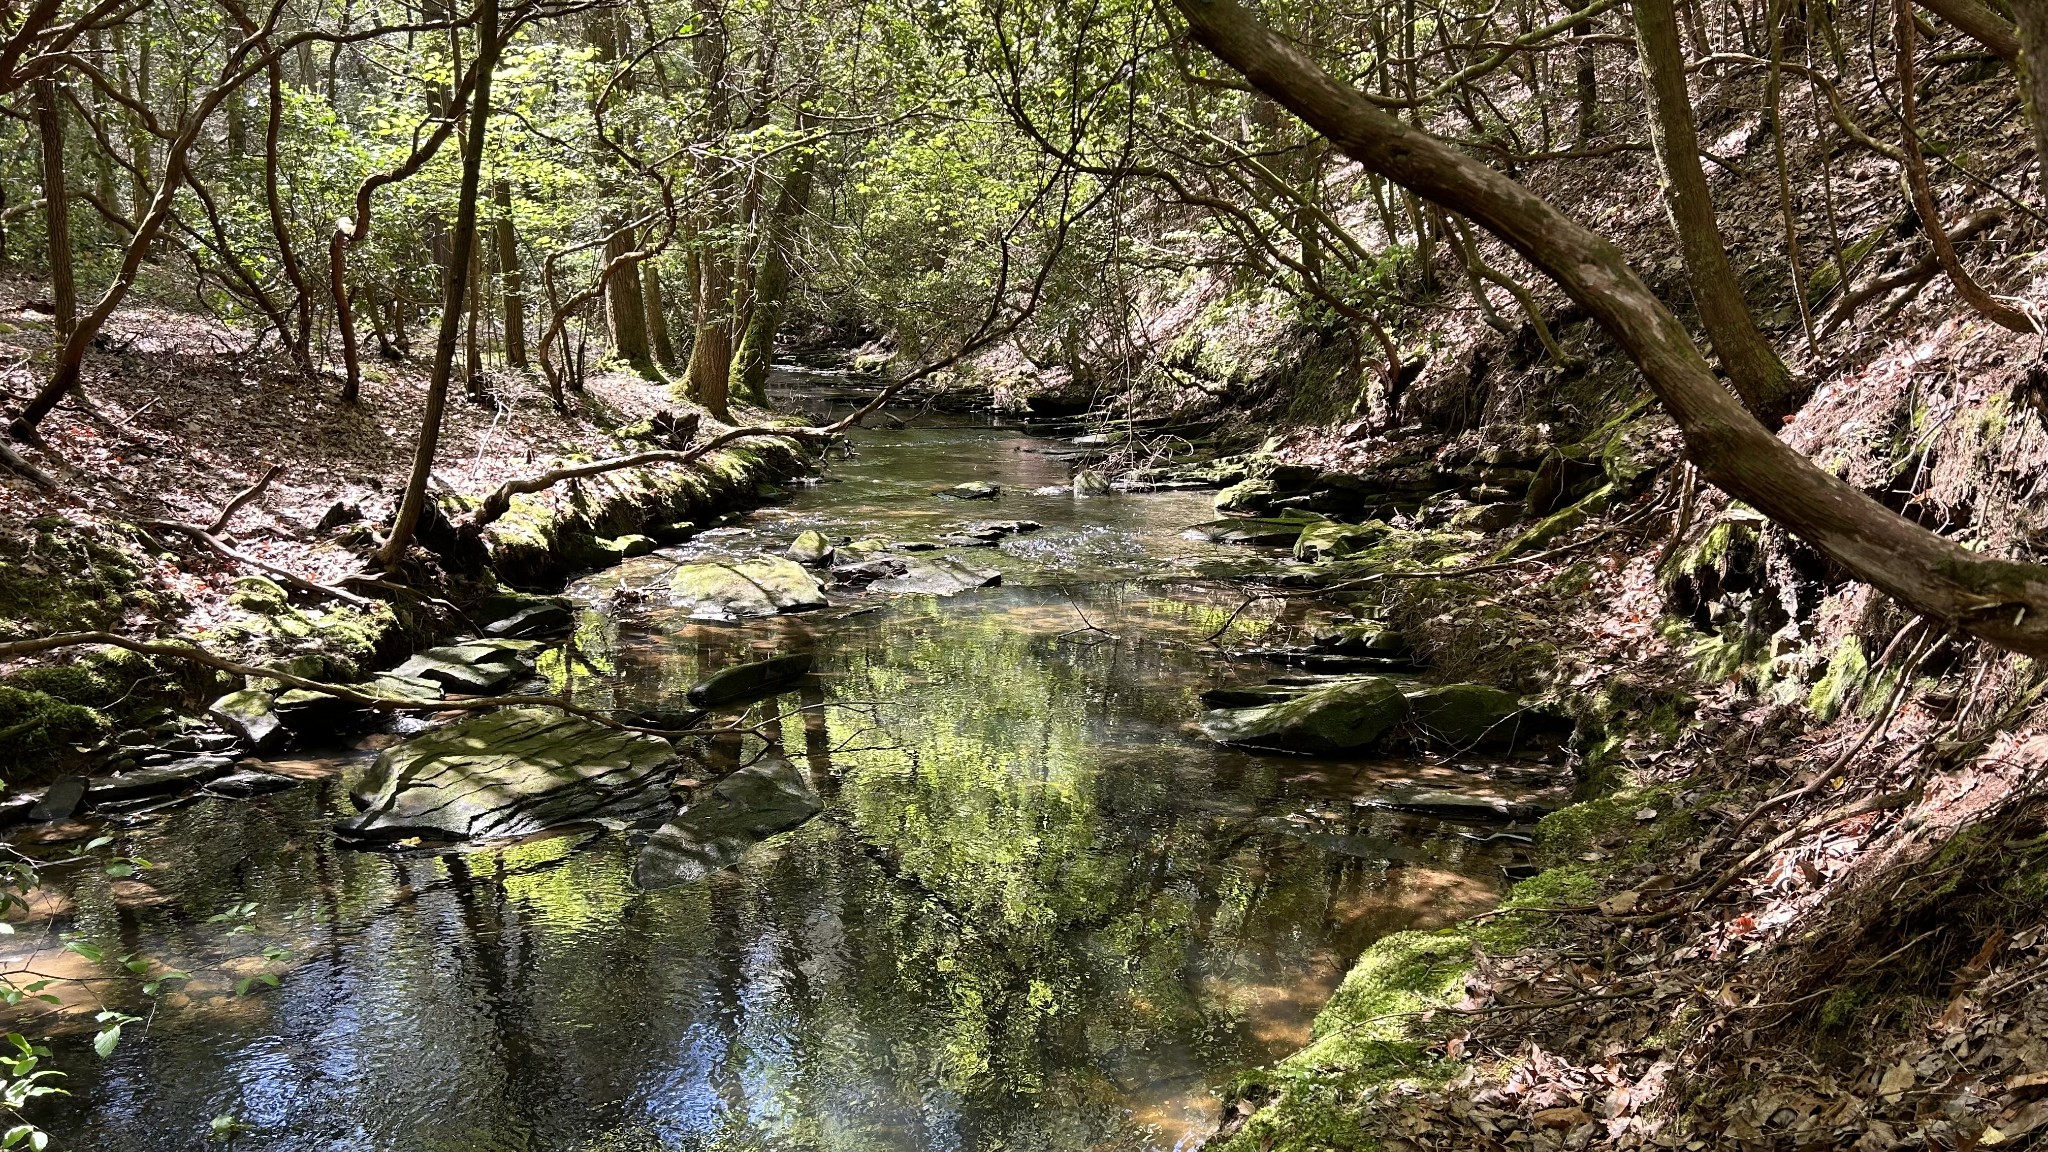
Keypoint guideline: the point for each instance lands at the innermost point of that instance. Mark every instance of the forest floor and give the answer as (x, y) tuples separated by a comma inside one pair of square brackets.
[(176, 417)]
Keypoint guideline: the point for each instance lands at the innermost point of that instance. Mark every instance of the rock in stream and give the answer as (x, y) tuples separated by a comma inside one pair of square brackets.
[(745, 808), (510, 773), (744, 589)]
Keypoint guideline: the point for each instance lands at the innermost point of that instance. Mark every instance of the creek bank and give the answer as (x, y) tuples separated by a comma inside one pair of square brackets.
[(107, 713)]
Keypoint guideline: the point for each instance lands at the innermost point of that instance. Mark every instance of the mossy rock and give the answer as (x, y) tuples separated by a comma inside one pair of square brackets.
[(1332, 541), (260, 596), (36, 726), (1478, 717), (511, 773), (1346, 715), (1558, 524), (743, 589)]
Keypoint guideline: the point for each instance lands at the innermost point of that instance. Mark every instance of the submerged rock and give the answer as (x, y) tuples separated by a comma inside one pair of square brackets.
[(252, 715), (973, 490), (510, 773), (936, 576), (1461, 806), (1271, 531), (744, 681), (745, 808), (244, 785), (1339, 717), (740, 590)]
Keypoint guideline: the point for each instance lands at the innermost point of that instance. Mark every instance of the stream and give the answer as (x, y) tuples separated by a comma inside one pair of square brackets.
[(1039, 912)]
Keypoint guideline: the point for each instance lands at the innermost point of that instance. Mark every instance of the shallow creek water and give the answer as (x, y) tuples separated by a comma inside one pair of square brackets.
[(1039, 912)]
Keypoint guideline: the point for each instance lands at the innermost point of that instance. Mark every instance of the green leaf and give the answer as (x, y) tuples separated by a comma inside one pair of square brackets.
[(107, 1040)]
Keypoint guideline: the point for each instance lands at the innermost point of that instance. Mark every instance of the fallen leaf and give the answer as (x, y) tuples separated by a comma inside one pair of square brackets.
[(1896, 1080), (1562, 1117), (1621, 903)]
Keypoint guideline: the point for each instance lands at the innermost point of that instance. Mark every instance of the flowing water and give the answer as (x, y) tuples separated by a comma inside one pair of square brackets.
[(1039, 911)]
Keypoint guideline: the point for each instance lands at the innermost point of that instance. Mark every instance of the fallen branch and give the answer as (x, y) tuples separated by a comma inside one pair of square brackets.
[(289, 580), (241, 501), (192, 653), (1920, 272), (27, 471)]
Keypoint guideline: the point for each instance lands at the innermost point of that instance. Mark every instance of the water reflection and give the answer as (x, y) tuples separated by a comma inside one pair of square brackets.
[(1039, 912)]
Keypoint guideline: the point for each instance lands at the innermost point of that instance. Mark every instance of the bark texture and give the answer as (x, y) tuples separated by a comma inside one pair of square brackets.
[(1752, 365)]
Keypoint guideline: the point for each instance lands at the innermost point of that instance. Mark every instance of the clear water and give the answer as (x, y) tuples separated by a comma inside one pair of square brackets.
[(1040, 911)]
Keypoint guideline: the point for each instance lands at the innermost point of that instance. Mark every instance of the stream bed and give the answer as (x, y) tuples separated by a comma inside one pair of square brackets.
[(1038, 912)]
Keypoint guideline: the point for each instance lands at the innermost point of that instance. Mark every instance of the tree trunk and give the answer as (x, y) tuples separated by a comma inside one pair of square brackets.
[(2000, 601), (711, 349), (1980, 22), (414, 500), (2033, 36), (771, 285), (515, 280), (1586, 76), (56, 205), (472, 351), (623, 294), (1753, 367), (657, 317)]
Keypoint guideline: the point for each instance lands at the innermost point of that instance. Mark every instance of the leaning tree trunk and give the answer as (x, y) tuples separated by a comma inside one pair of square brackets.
[(515, 280), (2000, 601), (450, 333), (56, 205), (1753, 367), (771, 286), (2033, 35), (628, 313)]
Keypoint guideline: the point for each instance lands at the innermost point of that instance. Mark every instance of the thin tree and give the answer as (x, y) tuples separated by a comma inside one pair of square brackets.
[(450, 333)]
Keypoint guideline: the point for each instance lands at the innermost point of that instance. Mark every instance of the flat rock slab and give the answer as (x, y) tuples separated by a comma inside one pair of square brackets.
[(936, 576), (510, 773), (1339, 717), (61, 800), (745, 681), (745, 808), (139, 783), (479, 667), (754, 587)]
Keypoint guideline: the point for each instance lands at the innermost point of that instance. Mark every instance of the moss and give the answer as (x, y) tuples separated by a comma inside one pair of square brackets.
[(1377, 1031), (36, 725), (1844, 1008), (60, 578), (1371, 1035), (1847, 675), (1557, 524)]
